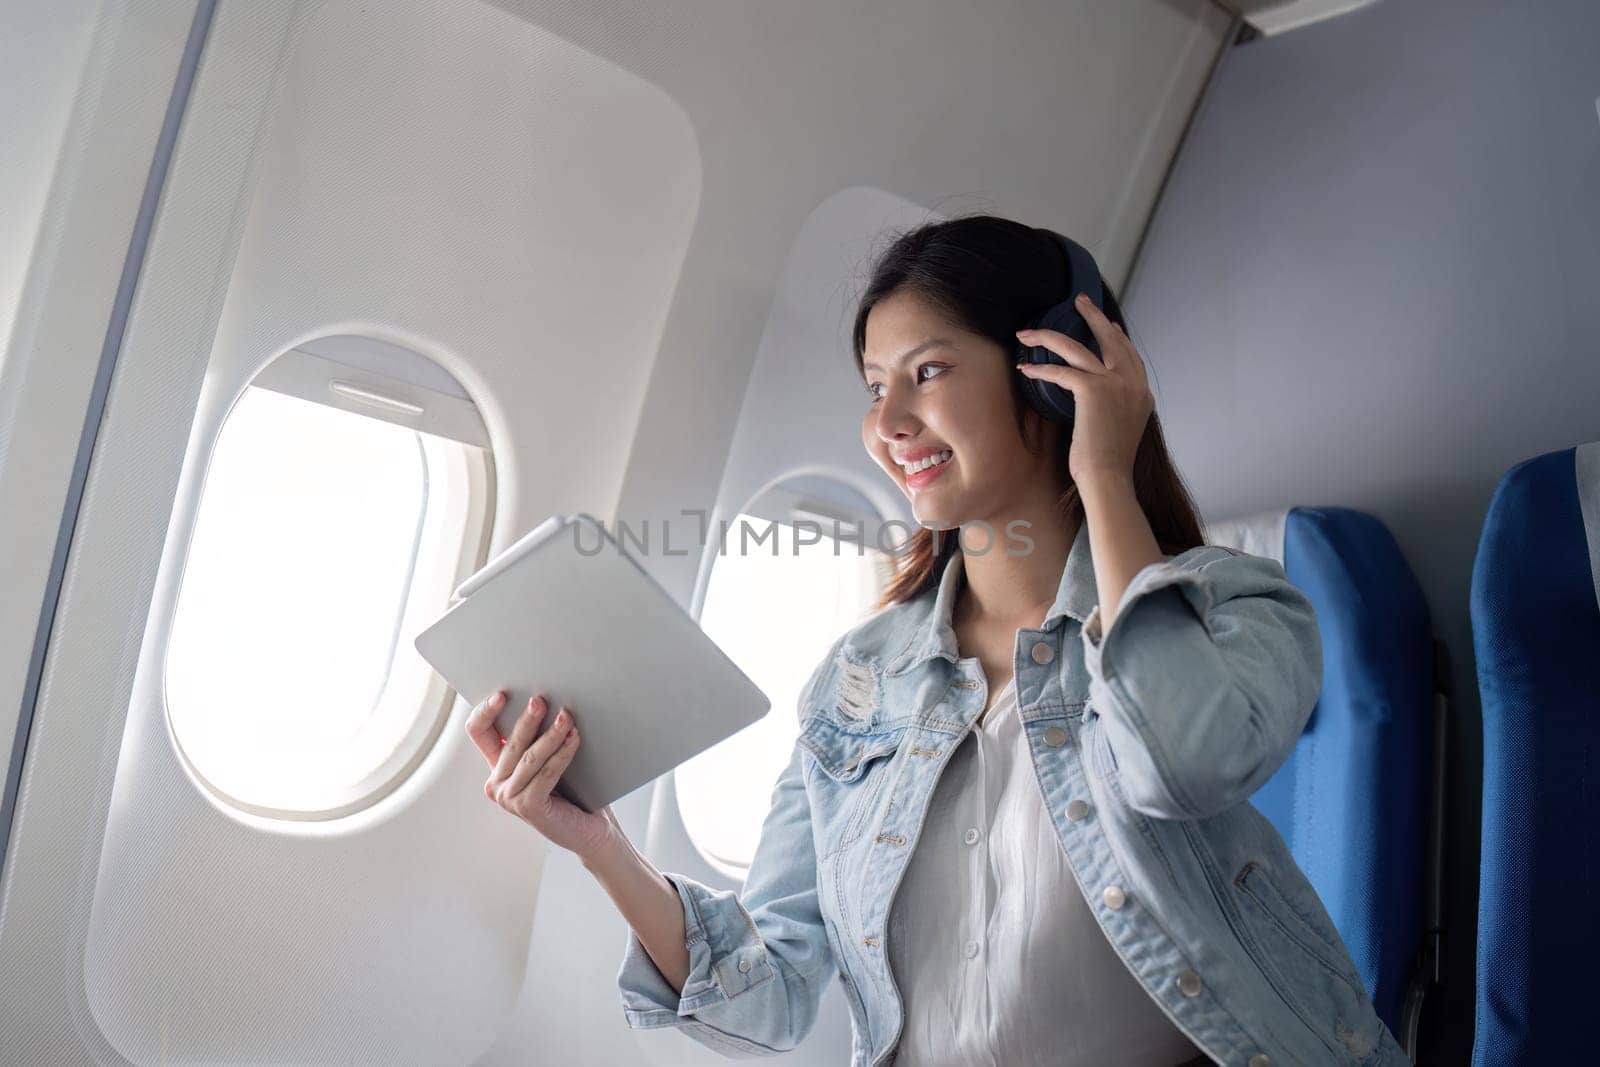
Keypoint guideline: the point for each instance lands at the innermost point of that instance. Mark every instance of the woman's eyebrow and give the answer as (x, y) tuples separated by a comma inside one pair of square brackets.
[(931, 342)]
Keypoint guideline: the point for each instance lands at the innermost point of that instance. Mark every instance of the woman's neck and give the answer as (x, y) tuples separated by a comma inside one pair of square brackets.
[(1016, 589)]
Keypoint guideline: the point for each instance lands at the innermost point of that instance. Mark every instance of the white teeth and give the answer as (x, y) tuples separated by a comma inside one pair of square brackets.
[(927, 461)]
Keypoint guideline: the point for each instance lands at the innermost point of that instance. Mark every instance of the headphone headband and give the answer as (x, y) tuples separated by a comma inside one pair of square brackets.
[(1085, 275)]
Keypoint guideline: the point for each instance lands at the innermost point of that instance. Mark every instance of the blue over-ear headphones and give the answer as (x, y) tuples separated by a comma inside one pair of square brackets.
[(1048, 398)]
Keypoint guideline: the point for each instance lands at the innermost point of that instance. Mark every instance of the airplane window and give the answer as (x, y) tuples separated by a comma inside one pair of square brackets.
[(324, 541), (775, 615)]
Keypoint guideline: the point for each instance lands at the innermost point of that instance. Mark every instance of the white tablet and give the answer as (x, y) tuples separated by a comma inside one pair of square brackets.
[(566, 612)]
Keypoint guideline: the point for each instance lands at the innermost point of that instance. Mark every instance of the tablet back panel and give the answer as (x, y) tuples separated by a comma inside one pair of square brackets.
[(593, 631)]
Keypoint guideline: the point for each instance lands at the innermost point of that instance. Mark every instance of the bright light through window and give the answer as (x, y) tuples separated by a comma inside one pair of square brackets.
[(775, 616), (290, 676)]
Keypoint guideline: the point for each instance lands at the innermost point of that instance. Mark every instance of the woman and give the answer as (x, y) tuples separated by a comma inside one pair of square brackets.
[(1016, 836)]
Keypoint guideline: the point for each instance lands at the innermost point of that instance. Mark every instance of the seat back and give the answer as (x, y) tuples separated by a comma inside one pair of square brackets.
[(1536, 635), (1352, 800)]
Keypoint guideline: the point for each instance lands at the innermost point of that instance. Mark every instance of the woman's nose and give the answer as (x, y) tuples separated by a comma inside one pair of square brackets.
[(895, 419)]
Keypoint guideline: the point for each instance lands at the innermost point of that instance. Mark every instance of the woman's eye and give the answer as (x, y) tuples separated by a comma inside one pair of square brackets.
[(872, 389)]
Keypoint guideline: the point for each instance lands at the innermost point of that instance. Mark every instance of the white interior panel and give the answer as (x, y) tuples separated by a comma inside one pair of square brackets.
[(46, 47), (388, 174), (83, 89), (802, 412)]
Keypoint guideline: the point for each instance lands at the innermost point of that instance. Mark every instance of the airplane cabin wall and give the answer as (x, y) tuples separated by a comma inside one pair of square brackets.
[(85, 86), (1371, 284)]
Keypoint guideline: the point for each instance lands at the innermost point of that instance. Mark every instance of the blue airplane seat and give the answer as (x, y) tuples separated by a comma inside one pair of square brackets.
[(1353, 799), (1536, 633)]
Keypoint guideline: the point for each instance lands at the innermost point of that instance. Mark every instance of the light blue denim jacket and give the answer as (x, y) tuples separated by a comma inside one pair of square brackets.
[(1146, 741)]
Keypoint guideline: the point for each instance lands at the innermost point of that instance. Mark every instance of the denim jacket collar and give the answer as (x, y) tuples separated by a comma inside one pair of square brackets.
[(935, 635)]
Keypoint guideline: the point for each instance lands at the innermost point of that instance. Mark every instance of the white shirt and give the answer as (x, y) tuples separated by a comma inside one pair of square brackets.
[(997, 956)]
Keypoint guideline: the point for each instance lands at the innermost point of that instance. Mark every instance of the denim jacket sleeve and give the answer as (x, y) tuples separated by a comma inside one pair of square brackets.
[(759, 958), (1208, 675)]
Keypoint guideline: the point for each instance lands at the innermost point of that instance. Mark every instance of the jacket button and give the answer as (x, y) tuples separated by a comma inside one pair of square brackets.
[(744, 966), (1055, 736), (971, 836), (851, 763), (1076, 810), (1043, 653), (1114, 897), (1261, 1059), (1189, 985)]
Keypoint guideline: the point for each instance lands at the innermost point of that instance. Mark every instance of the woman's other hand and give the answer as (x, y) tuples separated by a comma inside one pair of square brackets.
[(1111, 400), (524, 769)]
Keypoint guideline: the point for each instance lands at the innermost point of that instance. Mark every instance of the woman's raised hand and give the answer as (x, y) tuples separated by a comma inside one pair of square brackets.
[(1112, 401), (524, 770)]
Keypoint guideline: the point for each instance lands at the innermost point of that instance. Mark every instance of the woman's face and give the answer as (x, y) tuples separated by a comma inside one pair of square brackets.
[(938, 389)]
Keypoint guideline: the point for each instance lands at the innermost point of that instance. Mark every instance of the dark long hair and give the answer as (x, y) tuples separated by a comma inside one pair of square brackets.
[(990, 275)]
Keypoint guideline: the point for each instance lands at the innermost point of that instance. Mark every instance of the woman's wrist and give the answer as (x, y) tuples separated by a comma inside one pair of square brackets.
[(612, 855), (1096, 483), (1120, 534)]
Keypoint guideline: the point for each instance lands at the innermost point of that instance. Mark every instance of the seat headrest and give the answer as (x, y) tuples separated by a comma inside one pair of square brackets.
[(1259, 534)]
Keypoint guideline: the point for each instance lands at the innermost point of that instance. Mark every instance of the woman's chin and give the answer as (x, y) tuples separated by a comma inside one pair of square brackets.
[(934, 519), (935, 508)]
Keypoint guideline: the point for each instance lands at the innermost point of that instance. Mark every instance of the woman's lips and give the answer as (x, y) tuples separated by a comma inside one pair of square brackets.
[(921, 479)]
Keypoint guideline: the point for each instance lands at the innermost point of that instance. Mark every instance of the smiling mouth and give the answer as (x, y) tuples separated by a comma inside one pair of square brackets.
[(923, 471)]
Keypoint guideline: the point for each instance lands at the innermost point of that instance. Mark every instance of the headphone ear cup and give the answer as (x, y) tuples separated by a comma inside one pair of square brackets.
[(1047, 398)]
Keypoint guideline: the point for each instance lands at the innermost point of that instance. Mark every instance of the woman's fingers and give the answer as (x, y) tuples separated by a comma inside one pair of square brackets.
[(1105, 334), (1074, 353), (537, 754), (520, 738), (546, 778), (1113, 339), (1069, 378), (481, 728)]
